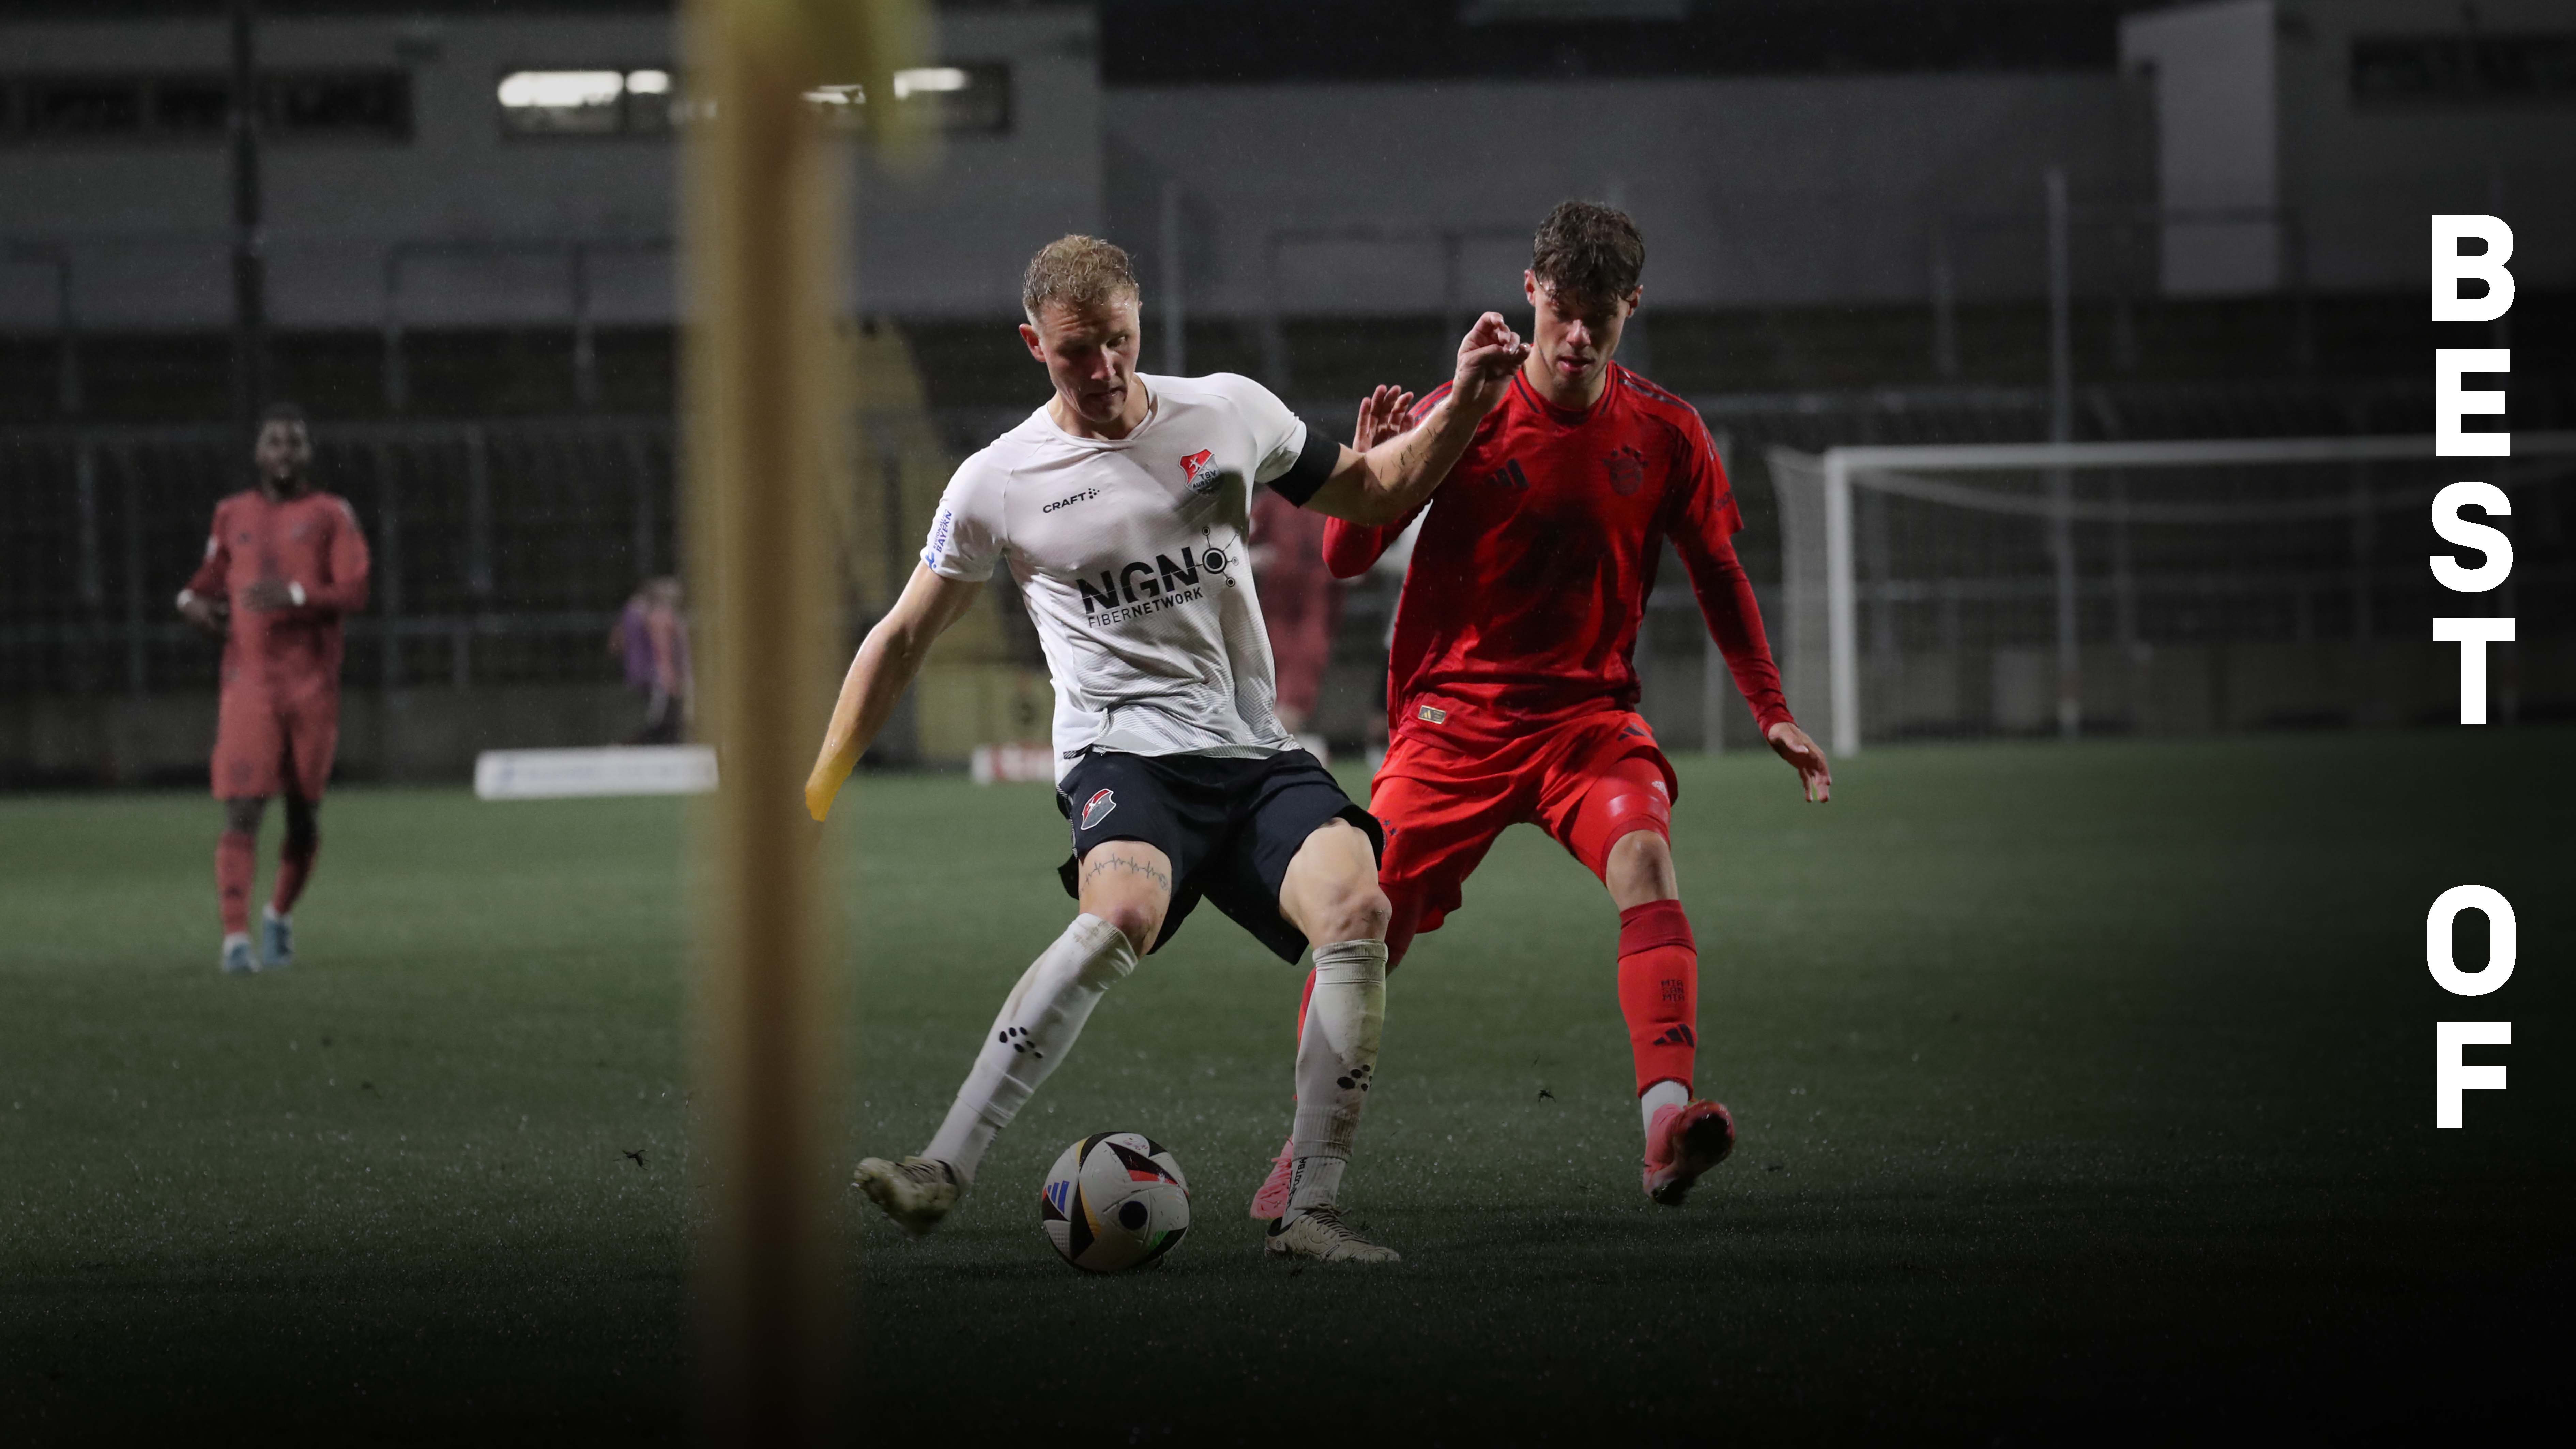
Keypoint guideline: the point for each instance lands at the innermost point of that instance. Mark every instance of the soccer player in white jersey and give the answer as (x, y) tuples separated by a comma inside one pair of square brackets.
[(1121, 508)]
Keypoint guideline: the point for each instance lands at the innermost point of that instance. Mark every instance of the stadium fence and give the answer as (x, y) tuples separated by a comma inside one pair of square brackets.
[(2283, 592), (502, 549)]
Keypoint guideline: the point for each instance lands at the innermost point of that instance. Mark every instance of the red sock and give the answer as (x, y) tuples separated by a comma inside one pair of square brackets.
[(294, 868), (233, 868), (1303, 998), (1659, 991)]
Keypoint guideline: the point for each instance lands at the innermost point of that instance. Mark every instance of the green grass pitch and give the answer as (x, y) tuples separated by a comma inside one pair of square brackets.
[(2082, 1090)]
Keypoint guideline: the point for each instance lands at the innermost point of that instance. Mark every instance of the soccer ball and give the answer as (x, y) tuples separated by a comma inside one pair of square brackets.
[(1114, 1201)]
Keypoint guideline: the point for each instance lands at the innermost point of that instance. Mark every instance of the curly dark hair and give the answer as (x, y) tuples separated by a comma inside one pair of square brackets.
[(1588, 251)]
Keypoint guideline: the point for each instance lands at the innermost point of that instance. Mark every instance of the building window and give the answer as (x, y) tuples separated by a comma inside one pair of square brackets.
[(345, 105), (81, 106), (2392, 72), (956, 99), (585, 102), (294, 106), (192, 106)]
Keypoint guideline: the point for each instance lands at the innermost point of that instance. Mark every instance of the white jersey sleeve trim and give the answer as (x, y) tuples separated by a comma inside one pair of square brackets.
[(969, 532)]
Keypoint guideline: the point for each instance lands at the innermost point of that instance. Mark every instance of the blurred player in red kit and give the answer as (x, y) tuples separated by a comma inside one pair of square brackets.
[(1510, 692), (284, 562), (1300, 602)]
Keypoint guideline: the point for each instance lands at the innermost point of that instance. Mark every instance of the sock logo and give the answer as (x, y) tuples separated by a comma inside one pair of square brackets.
[(1359, 1078), (1672, 993), (1680, 1036), (1097, 808), (1017, 1039)]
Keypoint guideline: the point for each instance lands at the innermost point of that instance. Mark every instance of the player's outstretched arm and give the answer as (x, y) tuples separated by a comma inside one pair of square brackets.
[(883, 670), (1391, 479), (1735, 622), (202, 602), (1806, 757), (1350, 548), (205, 613)]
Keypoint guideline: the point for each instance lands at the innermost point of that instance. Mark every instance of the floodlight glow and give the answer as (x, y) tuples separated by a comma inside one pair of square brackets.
[(648, 82), (849, 95), (910, 83), (560, 89)]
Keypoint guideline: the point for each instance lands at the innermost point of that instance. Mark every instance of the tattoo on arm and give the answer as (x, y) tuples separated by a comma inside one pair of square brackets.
[(1120, 862)]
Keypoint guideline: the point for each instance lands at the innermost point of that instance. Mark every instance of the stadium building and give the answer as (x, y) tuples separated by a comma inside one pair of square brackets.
[(463, 223)]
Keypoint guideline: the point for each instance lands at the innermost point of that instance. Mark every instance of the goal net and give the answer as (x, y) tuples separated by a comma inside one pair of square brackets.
[(2149, 587)]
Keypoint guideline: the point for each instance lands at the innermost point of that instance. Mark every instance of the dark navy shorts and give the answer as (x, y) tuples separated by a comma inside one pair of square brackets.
[(1230, 827)]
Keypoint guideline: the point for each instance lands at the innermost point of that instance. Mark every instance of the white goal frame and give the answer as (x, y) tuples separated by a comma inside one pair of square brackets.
[(1835, 469)]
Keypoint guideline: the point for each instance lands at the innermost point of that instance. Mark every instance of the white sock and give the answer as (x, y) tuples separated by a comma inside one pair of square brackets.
[(1336, 1057), (1032, 1033), (1666, 1093), (269, 913), (1313, 1182)]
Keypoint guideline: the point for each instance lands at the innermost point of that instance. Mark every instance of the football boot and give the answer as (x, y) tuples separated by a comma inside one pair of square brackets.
[(916, 1192), (1686, 1141)]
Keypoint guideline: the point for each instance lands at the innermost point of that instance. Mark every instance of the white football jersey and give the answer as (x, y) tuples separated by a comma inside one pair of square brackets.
[(1131, 555)]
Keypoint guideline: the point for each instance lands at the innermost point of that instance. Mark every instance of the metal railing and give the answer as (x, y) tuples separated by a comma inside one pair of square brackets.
[(501, 550)]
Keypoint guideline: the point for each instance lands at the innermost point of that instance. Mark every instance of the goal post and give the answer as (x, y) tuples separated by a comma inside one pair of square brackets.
[(1926, 593), (763, 222)]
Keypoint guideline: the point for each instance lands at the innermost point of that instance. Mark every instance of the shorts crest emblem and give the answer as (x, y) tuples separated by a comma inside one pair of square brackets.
[(1097, 808)]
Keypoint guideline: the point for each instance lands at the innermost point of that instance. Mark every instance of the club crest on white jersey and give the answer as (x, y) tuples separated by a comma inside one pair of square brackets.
[(1200, 468)]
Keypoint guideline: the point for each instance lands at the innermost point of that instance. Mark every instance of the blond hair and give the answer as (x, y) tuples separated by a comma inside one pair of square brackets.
[(1079, 271)]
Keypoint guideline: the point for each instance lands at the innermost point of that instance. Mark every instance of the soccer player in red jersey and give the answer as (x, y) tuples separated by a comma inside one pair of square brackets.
[(1300, 602), (1510, 692), (284, 561)]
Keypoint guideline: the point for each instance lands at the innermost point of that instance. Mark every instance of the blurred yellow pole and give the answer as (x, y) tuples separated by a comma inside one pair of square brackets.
[(763, 218)]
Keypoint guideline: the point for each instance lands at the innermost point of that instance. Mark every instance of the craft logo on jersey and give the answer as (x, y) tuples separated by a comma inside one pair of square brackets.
[(1200, 468), (1097, 808), (1627, 471)]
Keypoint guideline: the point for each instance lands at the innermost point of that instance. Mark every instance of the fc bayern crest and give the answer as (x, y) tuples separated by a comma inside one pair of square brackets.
[(1627, 471), (1200, 467), (1097, 808)]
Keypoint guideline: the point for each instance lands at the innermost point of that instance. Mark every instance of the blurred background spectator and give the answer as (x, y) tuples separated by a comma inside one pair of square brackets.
[(652, 638)]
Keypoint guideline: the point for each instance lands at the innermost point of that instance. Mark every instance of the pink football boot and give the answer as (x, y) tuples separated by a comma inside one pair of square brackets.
[(1271, 1202), (1684, 1142)]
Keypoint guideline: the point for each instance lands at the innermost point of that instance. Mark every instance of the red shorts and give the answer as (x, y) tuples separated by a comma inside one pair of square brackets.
[(1586, 782), (275, 739)]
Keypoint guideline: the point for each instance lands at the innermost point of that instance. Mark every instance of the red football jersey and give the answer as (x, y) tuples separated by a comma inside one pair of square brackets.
[(313, 541), (1530, 577)]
